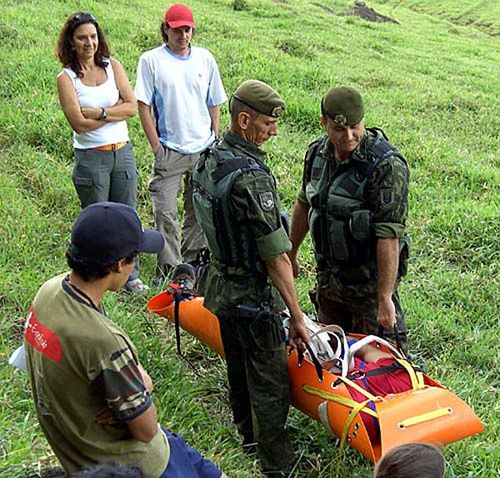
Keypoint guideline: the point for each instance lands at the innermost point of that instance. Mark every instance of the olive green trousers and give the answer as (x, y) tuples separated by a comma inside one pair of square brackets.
[(257, 369)]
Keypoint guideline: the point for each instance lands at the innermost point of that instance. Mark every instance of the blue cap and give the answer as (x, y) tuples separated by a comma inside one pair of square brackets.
[(109, 231)]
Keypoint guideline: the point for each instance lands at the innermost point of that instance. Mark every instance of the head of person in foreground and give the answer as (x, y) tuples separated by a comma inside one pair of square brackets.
[(342, 117), (105, 241), (412, 460), (112, 469)]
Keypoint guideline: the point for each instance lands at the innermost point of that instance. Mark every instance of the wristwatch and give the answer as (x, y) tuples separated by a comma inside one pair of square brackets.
[(104, 115)]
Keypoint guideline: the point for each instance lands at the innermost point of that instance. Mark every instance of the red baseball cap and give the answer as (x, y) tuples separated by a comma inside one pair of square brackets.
[(179, 15)]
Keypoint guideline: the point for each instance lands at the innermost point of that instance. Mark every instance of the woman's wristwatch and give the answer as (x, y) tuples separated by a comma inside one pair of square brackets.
[(104, 115)]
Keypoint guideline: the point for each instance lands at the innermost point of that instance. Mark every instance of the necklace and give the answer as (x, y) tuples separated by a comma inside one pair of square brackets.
[(82, 293)]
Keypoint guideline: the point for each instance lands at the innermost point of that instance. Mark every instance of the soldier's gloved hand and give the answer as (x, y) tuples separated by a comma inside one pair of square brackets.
[(386, 313)]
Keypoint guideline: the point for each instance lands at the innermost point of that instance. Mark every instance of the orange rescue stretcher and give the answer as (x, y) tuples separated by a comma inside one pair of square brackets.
[(427, 413)]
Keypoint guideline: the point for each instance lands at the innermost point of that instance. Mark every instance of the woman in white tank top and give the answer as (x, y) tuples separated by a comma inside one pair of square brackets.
[(97, 99)]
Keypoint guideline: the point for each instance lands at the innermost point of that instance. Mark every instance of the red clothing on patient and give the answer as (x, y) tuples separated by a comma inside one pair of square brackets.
[(396, 381)]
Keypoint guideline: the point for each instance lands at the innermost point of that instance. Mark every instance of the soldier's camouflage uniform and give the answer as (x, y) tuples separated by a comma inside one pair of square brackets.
[(344, 239), (236, 292)]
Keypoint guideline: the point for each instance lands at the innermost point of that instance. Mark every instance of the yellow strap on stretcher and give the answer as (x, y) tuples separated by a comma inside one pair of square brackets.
[(361, 390), (347, 402), (417, 378), (352, 415), (356, 407), (417, 382), (424, 417)]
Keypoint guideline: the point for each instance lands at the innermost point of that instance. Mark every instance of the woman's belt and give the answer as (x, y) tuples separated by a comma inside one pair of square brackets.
[(111, 147)]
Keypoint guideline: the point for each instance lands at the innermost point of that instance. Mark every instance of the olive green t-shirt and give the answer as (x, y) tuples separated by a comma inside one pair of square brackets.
[(80, 362)]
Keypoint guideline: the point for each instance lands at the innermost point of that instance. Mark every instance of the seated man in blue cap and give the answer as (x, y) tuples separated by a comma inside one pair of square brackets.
[(92, 397)]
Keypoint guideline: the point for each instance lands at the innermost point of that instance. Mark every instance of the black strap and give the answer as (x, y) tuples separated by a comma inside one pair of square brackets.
[(238, 162), (315, 146), (379, 150), (380, 131), (378, 371), (180, 295), (177, 301), (399, 345), (391, 368), (315, 361)]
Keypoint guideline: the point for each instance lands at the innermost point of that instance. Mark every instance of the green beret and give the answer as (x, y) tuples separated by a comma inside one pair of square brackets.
[(260, 97), (343, 105)]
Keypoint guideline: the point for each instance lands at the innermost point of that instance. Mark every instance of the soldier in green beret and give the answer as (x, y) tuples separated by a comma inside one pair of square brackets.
[(354, 201), (250, 276)]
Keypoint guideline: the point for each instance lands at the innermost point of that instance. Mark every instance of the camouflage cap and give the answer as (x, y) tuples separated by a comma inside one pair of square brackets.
[(260, 97), (343, 105)]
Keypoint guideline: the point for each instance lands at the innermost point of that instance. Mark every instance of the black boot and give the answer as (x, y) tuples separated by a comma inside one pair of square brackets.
[(184, 275)]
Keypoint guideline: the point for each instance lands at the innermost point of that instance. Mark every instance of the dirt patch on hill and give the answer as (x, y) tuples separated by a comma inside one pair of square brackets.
[(324, 8), (367, 13), (359, 9)]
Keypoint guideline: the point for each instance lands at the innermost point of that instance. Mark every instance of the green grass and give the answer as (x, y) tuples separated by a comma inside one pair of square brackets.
[(483, 14), (431, 82)]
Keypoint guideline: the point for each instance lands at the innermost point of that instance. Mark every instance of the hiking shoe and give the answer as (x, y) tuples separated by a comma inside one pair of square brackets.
[(158, 281), (184, 274), (135, 286)]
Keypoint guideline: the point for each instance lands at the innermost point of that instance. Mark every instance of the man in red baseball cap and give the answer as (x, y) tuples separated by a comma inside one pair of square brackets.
[(179, 15), (179, 92)]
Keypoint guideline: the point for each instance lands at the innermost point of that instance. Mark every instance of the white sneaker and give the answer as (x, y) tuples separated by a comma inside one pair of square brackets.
[(136, 286)]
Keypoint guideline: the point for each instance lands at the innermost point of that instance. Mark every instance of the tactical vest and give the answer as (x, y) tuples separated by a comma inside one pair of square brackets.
[(230, 242), (340, 220)]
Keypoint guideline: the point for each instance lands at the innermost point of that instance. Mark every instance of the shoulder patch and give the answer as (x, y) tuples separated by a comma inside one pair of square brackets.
[(266, 201), (386, 196)]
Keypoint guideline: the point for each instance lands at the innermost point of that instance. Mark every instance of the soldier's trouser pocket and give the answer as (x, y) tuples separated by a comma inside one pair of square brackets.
[(267, 333)]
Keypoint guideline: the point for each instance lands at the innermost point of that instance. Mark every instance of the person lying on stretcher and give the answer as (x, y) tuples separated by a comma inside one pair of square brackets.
[(362, 366), (363, 371)]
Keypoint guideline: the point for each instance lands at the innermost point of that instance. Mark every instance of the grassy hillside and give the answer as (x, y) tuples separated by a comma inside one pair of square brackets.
[(431, 81), (482, 14)]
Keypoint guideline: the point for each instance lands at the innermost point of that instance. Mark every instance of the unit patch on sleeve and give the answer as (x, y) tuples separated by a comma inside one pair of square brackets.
[(387, 196), (266, 201)]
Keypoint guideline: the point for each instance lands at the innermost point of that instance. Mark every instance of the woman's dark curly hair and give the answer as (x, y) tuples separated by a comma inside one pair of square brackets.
[(65, 50)]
